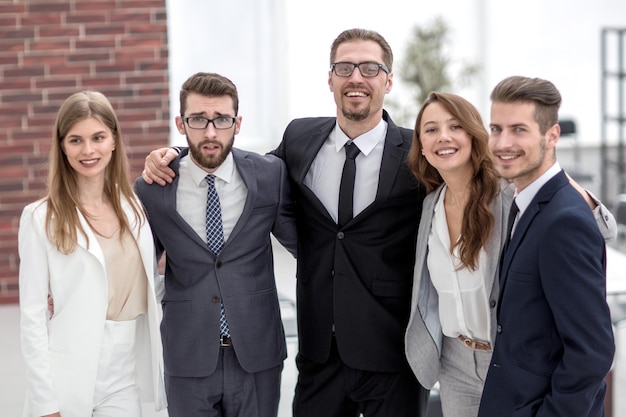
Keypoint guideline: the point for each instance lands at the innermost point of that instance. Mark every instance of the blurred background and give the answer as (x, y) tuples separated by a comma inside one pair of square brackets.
[(139, 52)]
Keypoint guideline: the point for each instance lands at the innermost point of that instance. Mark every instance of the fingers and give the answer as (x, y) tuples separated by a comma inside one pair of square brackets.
[(156, 167)]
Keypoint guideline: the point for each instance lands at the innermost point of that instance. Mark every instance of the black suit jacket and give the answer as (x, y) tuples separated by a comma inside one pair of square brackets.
[(358, 277), (554, 342)]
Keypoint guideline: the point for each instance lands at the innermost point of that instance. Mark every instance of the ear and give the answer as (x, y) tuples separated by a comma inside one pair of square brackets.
[(180, 124), (389, 82), (238, 124), (330, 80), (552, 135)]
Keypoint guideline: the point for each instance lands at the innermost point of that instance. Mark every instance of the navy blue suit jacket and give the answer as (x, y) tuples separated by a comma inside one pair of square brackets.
[(554, 343)]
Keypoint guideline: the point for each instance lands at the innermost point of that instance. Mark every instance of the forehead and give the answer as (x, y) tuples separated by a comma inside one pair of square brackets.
[(87, 127), (359, 51), (435, 112), (513, 113), (197, 103)]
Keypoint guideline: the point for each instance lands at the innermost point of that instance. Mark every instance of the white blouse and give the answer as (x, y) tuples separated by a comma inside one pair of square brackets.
[(463, 296)]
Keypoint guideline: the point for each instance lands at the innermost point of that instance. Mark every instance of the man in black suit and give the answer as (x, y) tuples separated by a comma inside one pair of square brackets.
[(355, 264)]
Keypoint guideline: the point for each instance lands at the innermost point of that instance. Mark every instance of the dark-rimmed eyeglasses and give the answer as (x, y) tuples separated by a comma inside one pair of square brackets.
[(197, 122), (367, 69)]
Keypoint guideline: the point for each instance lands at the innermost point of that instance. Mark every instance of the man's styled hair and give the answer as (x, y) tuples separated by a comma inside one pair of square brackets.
[(208, 84), (542, 93), (362, 35)]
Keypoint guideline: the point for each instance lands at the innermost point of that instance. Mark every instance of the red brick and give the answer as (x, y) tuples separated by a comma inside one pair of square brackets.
[(13, 33), (10, 7), (107, 30), (58, 32), (117, 67), (39, 19), (140, 42), (86, 18), (21, 97), (67, 83), (49, 45), (48, 6)]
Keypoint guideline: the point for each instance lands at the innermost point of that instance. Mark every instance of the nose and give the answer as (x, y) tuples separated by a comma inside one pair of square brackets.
[(210, 131)]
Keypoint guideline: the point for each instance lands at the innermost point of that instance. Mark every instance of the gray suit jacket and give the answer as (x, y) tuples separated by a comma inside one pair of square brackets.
[(241, 276), (424, 337)]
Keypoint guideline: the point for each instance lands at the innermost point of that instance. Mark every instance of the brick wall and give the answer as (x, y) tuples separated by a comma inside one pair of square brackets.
[(50, 49)]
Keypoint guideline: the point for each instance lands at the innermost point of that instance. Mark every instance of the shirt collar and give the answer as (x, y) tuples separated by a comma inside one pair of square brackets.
[(223, 172), (524, 197), (365, 142)]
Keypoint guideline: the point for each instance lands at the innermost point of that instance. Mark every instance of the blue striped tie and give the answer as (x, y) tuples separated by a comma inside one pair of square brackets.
[(215, 236)]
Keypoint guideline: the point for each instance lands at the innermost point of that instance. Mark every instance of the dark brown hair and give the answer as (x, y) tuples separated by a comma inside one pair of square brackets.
[(208, 84), (542, 93)]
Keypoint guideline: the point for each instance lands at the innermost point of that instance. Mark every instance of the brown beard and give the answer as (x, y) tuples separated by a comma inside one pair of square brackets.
[(210, 162), (355, 116)]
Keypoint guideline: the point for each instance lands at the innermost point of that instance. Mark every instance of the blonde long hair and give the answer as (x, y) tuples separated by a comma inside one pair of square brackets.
[(62, 221)]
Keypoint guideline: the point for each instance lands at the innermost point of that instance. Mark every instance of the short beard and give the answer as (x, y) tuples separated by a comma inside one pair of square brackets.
[(355, 116), (209, 162)]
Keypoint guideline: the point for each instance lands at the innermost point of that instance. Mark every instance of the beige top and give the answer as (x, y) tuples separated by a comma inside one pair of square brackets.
[(128, 284)]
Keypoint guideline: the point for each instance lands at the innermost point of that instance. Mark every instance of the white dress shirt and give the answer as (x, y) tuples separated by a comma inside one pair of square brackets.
[(324, 176), (463, 298), (191, 196)]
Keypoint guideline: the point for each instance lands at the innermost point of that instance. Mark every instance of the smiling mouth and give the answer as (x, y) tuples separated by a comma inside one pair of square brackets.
[(89, 161), (444, 152), (356, 94)]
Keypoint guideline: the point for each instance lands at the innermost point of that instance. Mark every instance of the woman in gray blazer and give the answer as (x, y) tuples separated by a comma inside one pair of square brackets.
[(462, 230)]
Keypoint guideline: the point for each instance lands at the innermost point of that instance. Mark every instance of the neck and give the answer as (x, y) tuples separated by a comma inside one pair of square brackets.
[(458, 191)]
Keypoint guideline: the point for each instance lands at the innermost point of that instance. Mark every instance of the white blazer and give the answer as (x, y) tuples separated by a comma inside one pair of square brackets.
[(62, 353)]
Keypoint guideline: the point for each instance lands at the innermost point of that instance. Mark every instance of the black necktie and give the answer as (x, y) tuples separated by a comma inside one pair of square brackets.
[(346, 187), (509, 228)]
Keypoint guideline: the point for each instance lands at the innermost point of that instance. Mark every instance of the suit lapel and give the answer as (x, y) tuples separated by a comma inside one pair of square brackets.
[(543, 196), (247, 171), (394, 154)]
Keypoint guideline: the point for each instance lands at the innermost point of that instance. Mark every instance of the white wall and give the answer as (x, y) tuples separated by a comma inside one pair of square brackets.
[(243, 40)]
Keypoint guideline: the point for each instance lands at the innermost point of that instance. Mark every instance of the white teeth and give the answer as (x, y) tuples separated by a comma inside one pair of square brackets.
[(356, 94), (446, 152), (89, 162), (507, 157)]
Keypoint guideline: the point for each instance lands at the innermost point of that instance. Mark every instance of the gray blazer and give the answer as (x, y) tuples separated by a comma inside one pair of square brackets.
[(241, 276), (424, 336)]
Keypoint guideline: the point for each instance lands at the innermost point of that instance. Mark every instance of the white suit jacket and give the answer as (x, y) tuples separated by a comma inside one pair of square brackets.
[(62, 353)]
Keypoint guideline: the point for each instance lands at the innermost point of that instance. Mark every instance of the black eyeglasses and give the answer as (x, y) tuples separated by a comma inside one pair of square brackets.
[(222, 122), (367, 69)]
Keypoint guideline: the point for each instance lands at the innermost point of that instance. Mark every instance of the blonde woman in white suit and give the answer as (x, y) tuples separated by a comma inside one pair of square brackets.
[(87, 245)]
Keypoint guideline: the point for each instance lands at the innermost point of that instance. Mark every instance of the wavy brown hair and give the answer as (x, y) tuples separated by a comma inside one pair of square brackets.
[(478, 221), (62, 221)]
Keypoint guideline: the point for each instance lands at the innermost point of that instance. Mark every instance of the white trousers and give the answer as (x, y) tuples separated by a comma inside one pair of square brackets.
[(116, 391)]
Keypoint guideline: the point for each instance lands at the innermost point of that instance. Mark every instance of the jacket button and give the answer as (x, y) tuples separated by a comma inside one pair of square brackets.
[(492, 303), (218, 264), (340, 235), (215, 299), (499, 328)]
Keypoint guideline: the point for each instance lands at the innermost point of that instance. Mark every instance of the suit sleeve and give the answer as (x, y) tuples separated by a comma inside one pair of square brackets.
[(284, 228), (604, 218), (572, 275), (34, 290)]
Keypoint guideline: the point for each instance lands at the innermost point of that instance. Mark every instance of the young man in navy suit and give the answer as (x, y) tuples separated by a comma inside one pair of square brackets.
[(554, 343)]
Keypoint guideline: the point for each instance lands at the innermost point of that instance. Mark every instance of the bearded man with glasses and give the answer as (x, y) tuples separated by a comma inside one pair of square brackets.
[(223, 339)]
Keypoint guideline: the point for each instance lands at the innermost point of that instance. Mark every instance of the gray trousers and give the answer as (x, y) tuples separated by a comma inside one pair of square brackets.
[(462, 376), (228, 392)]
